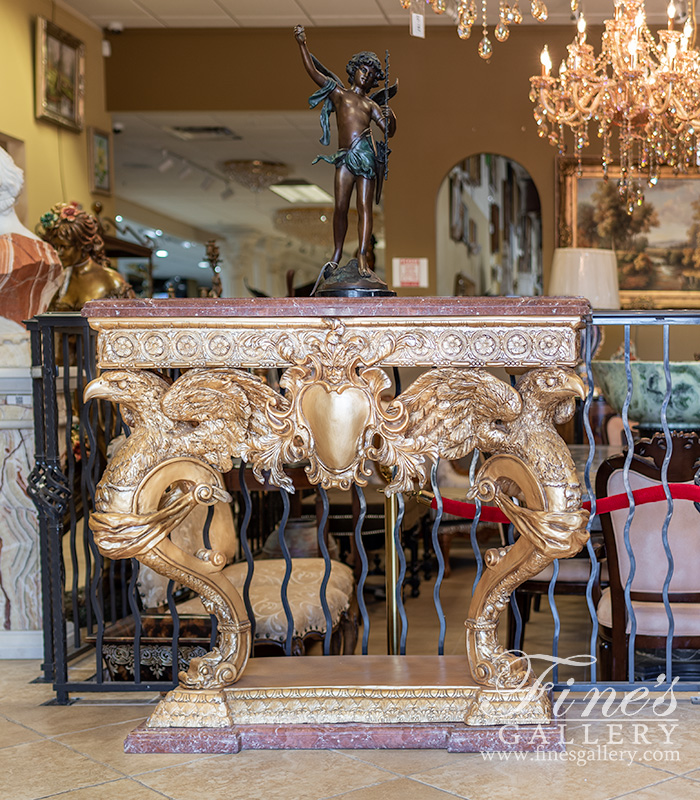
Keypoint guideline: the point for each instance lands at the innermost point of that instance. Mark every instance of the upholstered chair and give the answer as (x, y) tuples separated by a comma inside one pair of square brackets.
[(651, 564)]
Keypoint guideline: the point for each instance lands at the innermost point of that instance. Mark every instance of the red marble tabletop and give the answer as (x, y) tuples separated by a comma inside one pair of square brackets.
[(341, 307)]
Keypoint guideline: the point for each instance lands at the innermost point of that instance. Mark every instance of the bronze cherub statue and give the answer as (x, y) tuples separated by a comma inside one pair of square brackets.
[(360, 162)]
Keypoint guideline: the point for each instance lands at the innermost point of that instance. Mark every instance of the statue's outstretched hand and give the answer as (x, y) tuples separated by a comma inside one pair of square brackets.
[(300, 34)]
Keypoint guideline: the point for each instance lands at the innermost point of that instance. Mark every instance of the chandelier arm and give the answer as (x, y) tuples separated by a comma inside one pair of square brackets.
[(593, 107), (681, 112), (552, 112)]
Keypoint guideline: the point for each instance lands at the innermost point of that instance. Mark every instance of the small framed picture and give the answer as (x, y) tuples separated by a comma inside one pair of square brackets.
[(100, 161), (59, 76)]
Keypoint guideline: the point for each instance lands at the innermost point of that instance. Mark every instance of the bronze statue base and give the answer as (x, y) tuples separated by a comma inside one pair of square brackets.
[(346, 281)]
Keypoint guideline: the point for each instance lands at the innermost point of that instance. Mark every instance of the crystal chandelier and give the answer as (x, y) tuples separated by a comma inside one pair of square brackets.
[(466, 14), (643, 94), (256, 175)]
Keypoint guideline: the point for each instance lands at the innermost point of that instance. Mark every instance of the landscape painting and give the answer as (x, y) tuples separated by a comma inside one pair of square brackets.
[(657, 245)]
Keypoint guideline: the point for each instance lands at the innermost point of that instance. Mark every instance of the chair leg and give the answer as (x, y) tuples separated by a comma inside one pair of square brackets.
[(337, 639), (427, 563), (414, 565), (523, 599), (604, 660), (619, 666), (349, 625), (444, 542)]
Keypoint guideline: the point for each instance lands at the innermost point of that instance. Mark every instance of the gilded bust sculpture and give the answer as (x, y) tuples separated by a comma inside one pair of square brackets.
[(75, 236)]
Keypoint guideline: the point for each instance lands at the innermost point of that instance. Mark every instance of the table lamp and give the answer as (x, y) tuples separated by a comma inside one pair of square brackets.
[(583, 272)]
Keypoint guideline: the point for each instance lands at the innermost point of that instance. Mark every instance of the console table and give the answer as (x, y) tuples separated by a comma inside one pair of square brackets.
[(333, 416)]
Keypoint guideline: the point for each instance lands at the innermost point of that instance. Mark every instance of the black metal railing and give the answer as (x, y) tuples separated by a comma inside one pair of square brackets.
[(95, 609)]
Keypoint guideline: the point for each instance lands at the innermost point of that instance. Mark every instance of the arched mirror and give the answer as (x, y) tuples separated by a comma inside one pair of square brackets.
[(489, 229)]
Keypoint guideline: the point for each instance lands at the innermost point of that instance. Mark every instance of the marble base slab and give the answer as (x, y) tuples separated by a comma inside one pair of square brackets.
[(453, 737)]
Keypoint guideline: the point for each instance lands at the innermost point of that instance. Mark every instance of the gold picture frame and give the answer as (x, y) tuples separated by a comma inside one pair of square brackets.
[(657, 248), (100, 161), (59, 76)]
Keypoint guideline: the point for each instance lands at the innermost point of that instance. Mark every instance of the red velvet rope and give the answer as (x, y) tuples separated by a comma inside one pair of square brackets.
[(651, 494)]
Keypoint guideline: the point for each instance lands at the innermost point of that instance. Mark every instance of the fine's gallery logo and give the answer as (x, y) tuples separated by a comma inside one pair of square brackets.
[(601, 723)]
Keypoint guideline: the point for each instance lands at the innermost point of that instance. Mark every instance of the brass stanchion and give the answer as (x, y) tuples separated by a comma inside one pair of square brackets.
[(391, 575)]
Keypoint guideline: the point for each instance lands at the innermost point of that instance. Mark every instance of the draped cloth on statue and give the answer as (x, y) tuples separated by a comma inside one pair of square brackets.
[(30, 275)]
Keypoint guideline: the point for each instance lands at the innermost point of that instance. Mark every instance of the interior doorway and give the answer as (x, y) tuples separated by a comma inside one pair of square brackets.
[(489, 229)]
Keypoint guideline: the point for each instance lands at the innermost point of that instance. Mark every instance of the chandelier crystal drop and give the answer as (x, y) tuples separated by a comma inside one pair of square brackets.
[(641, 96), (466, 15)]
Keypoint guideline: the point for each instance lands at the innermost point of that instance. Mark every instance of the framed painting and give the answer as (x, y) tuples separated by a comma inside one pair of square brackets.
[(59, 76), (657, 246), (100, 161)]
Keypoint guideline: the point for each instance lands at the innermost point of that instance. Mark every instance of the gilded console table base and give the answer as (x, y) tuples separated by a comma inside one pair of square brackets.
[(332, 413), (422, 701)]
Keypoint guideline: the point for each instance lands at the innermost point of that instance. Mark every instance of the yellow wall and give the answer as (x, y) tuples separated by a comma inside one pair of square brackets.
[(450, 103), (56, 159)]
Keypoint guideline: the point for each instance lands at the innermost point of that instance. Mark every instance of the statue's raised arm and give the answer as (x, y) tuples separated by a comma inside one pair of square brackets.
[(310, 63)]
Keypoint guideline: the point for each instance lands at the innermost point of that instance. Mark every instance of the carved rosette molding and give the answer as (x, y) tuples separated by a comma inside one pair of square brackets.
[(333, 417), (262, 342)]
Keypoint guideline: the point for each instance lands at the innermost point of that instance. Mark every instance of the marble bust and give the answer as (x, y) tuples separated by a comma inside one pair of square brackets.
[(30, 269)]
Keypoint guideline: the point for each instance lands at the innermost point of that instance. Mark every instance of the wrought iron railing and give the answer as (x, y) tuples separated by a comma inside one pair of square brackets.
[(94, 607)]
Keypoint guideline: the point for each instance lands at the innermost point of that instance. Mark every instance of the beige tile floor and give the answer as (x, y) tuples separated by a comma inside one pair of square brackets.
[(76, 752)]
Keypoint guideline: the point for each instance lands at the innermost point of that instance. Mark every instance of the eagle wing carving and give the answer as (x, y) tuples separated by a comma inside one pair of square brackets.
[(232, 410), (449, 413)]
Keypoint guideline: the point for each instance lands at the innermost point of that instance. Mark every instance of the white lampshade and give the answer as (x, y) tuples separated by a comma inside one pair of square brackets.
[(579, 272)]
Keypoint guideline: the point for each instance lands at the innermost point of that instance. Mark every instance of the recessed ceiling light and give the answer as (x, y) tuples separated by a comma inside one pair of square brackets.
[(162, 253), (203, 264), (297, 191)]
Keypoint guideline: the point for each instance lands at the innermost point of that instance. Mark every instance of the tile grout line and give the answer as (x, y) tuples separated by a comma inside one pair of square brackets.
[(397, 777), (104, 783), (124, 774), (642, 788), (150, 788), (70, 733), (77, 789), (353, 757)]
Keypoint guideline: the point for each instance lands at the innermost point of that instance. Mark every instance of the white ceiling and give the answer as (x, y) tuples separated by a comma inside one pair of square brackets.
[(285, 13), (290, 137)]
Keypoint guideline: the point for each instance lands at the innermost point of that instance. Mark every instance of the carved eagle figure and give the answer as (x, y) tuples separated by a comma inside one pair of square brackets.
[(453, 411), (213, 415), (549, 399)]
